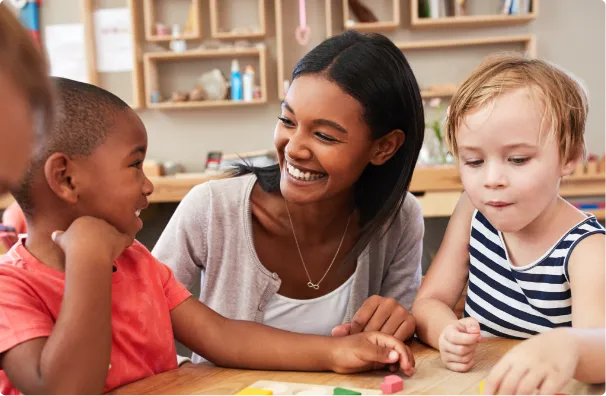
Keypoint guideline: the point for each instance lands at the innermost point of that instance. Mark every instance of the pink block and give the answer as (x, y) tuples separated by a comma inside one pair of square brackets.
[(392, 384)]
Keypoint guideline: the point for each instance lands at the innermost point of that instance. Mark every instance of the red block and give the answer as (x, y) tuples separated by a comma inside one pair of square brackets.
[(392, 384)]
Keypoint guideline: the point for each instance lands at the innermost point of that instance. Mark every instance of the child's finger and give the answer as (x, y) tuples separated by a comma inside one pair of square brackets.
[(511, 380), (531, 381), (552, 384), (451, 357), (461, 367), (495, 377), (460, 350), (460, 338)]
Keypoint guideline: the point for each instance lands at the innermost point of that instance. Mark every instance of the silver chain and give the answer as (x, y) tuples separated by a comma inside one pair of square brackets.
[(310, 284)]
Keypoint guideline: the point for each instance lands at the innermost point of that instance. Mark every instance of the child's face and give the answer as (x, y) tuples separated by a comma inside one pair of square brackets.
[(16, 134), (112, 184), (509, 173)]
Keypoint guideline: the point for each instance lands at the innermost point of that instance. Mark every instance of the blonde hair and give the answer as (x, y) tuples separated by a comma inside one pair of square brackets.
[(564, 98), (26, 66)]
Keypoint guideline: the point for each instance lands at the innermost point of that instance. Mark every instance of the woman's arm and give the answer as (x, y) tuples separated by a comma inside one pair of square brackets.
[(443, 285)]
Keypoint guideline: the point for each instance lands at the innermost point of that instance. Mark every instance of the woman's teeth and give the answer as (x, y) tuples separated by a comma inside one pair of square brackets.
[(303, 175), (138, 213)]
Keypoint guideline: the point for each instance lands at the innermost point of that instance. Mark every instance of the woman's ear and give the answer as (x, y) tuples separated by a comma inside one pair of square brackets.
[(384, 148), (58, 172)]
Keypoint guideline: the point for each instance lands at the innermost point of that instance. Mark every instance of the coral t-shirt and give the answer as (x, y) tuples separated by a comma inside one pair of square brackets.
[(144, 291)]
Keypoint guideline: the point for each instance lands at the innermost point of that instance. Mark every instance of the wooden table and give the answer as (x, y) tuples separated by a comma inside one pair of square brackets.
[(431, 377)]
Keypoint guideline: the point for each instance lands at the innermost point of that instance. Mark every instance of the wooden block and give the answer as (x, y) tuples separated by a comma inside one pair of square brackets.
[(392, 384), (293, 388), (254, 391)]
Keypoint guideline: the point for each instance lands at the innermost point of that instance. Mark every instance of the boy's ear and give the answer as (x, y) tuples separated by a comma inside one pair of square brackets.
[(58, 171), (569, 166), (385, 147)]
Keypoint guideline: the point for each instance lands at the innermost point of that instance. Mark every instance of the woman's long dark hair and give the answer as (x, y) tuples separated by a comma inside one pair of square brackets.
[(371, 69)]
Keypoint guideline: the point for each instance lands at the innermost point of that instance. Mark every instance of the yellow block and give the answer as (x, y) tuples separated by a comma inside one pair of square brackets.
[(482, 383), (254, 391)]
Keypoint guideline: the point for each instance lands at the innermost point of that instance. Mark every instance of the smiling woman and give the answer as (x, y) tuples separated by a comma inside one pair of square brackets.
[(328, 240)]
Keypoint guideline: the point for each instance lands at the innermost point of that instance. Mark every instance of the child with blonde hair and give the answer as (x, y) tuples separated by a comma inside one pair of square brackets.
[(535, 263)]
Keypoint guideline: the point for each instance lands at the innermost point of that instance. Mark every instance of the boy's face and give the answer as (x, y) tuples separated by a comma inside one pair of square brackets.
[(510, 169), (112, 185), (16, 134)]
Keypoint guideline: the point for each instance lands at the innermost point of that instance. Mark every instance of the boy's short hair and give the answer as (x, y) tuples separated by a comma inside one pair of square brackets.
[(564, 98), (84, 116), (24, 63)]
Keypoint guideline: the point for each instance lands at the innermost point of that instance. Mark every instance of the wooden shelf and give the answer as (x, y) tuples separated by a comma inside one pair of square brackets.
[(599, 214), (151, 59), (166, 39), (202, 54), (472, 21), (527, 40), (469, 21), (149, 18), (217, 34), (438, 93), (372, 26), (203, 104)]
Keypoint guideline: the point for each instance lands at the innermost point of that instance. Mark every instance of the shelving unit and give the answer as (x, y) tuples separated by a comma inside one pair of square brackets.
[(470, 21), (528, 41), (378, 26), (151, 60), (215, 23), (149, 18)]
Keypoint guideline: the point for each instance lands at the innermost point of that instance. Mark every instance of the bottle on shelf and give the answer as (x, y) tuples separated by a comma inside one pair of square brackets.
[(248, 83), (236, 81)]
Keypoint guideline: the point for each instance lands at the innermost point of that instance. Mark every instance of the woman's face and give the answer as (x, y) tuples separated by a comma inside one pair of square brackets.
[(322, 140)]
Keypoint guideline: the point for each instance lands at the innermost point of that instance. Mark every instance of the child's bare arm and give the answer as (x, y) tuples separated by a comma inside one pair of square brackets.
[(74, 359), (586, 269), (446, 277), (243, 344), (546, 362)]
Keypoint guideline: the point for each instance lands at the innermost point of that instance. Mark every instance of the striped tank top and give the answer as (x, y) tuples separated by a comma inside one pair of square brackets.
[(519, 302)]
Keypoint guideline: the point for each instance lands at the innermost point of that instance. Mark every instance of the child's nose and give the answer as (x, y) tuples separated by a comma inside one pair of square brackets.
[(495, 176), (148, 187)]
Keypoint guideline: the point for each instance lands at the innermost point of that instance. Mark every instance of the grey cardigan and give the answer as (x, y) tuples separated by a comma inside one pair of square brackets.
[(209, 240)]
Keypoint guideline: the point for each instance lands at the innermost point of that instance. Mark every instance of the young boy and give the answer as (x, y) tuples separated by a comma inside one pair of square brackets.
[(535, 263), (25, 98), (84, 308)]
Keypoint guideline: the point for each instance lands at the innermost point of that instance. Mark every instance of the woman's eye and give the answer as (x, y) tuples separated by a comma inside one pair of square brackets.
[(286, 122), (326, 138)]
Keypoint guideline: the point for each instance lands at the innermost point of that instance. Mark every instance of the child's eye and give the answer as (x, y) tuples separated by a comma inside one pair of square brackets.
[(137, 164), (325, 138), (519, 160), (474, 163), (286, 122)]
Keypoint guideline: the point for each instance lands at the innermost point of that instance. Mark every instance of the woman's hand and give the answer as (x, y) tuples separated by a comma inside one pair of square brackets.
[(382, 314)]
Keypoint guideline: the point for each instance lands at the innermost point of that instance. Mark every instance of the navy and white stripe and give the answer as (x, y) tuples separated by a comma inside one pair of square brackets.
[(519, 302)]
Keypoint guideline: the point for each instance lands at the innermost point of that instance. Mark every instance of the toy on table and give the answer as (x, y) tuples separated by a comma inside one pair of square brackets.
[(29, 14), (392, 384), (292, 388)]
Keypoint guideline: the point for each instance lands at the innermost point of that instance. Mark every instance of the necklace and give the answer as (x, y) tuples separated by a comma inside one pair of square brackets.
[(310, 284)]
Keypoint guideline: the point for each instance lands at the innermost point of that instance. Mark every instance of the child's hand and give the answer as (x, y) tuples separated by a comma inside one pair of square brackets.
[(458, 344), (371, 350), (92, 236), (543, 363)]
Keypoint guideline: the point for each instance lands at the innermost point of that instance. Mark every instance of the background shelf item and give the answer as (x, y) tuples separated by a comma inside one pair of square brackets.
[(470, 21), (378, 26), (193, 22), (216, 25), (93, 75), (152, 75)]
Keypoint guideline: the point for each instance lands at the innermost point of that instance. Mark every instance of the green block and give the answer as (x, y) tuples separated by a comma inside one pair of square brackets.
[(343, 391)]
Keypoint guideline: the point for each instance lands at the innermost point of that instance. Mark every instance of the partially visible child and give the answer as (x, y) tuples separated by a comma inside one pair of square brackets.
[(87, 309), (25, 98), (13, 224), (535, 264)]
